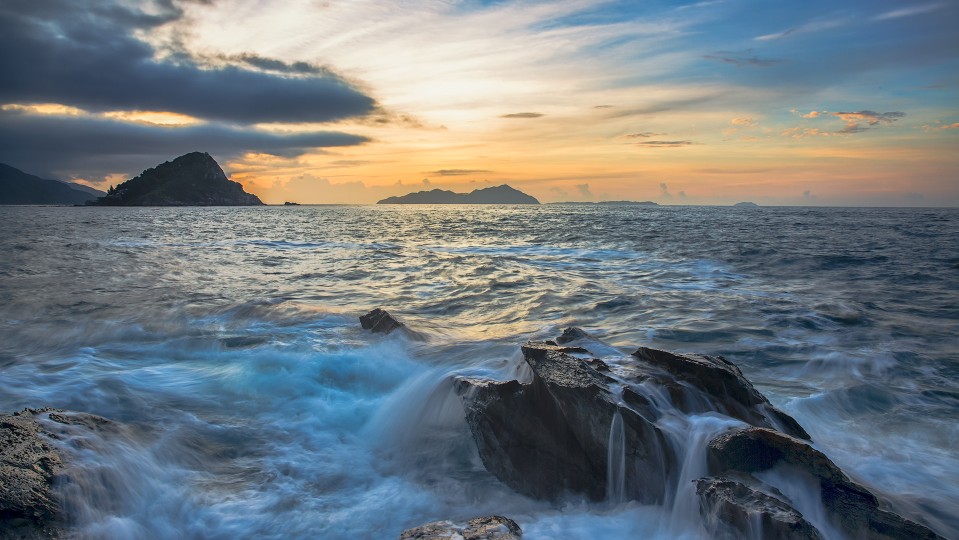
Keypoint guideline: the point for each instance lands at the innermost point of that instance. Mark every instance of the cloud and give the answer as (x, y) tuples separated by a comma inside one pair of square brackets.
[(664, 191), (741, 58), (873, 118), (812, 114), (665, 144), (816, 25), (602, 106), (642, 135), (744, 122), (855, 120), (523, 115), (95, 147), (584, 190), (950, 126), (84, 53), (909, 11), (458, 172)]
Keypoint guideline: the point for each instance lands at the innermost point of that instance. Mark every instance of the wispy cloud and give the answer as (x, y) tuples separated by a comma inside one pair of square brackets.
[(665, 144), (523, 115), (741, 58), (909, 11), (642, 135), (813, 26), (458, 172)]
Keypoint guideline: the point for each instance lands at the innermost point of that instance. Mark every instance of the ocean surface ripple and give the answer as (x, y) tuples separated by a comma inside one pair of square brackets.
[(227, 339)]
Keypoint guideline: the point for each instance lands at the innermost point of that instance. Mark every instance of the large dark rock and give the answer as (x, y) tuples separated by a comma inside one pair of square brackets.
[(29, 466), (552, 435), (852, 507), (484, 528), (741, 507), (193, 179), (33, 469)]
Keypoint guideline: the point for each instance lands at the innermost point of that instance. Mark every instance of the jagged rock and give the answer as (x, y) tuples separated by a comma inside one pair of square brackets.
[(742, 507), (850, 505), (32, 468), (379, 321), (724, 385), (484, 528), (552, 435)]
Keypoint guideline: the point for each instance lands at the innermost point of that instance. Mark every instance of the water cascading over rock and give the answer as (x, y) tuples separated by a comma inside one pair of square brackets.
[(686, 431)]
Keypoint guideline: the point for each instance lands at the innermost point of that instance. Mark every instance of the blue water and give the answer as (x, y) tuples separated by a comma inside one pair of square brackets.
[(227, 342)]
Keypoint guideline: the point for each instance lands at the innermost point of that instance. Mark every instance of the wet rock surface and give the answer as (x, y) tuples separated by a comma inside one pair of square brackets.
[(33, 470), (29, 466), (483, 528), (379, 321), (852, 507), (552, 435), (741, 507)]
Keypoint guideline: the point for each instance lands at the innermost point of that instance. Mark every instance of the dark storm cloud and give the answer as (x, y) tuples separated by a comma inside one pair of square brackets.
[(94, 147), (83, 53), (523, 115)]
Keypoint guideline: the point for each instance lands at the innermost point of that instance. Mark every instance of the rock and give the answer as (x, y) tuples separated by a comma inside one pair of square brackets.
[(726, 389), (740, 508), (32, 469), (484, 528), (850, 505), (193, 179), (552, 435), (379, 321), (29, 466)]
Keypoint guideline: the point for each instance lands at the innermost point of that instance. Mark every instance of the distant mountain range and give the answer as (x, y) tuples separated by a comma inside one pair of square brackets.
[(503, 194), (18, 187), (193, 179)]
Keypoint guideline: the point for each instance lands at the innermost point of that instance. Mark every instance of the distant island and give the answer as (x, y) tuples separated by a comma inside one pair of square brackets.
[(611, 203), (18, 187), (503, 194), (746, 204), (193, 179)]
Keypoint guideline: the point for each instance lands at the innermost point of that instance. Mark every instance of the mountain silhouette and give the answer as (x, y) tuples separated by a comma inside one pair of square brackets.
[(503, 194), (193, 179), (18, 187)]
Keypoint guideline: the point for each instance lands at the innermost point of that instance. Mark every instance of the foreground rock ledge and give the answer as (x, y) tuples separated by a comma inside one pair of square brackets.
[(484, 528), (560, 432), (551, 436), (31, 468)]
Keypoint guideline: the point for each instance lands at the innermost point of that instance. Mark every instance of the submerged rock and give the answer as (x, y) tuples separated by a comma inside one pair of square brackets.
[(484, 528), (379, 321), (556, 433), (32, 468), (852, 507), (742, 507)]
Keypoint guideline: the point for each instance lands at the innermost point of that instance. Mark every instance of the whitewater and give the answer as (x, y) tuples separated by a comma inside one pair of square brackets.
[(226, 342)]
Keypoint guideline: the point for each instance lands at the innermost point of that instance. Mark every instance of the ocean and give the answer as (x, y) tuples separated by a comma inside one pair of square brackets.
[(226, 341)]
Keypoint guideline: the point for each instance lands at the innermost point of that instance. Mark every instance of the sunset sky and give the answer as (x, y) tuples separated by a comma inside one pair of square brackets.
[(712, 102)]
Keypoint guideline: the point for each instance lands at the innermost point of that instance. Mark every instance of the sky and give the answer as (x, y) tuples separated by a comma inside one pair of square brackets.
[(678, 102)]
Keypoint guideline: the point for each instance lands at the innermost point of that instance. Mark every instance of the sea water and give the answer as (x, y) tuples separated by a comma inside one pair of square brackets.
[(226, 342)]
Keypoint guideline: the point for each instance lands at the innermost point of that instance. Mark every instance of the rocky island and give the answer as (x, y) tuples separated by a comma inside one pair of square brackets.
[(193, 179), (503, 194), (18, 187)]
